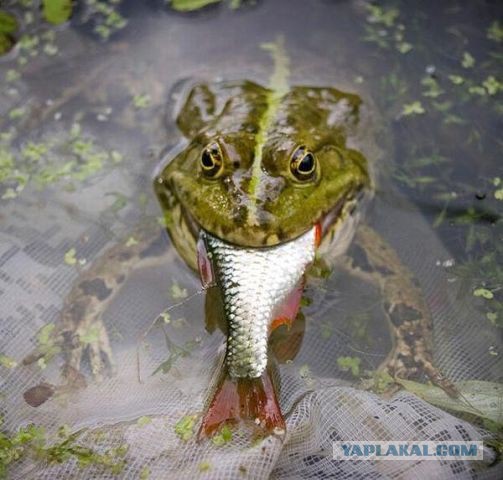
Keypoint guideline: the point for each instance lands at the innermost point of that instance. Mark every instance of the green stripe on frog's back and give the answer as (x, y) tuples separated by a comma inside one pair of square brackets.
[(277, 89)]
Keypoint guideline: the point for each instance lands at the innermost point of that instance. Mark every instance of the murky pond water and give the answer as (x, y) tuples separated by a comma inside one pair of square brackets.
[(87, 118)]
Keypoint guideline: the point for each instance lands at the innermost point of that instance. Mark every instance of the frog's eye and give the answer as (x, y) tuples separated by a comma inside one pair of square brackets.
[(303, 164), (212, 160)]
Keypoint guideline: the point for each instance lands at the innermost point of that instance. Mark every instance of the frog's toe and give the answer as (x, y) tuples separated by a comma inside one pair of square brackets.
[(100, 354), (440, 380), (74, 358), (45, 351), (97, 365), (417, 371)]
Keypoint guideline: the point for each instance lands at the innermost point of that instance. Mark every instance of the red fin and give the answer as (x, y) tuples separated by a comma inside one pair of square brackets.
[(318, 235), (285, 345), (244, 399), (278, 321), (204, 265), (214, 314), (288, 310)]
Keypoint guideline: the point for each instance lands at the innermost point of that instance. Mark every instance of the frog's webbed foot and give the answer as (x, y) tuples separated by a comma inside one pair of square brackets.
[(372, 260), (80, 333), (410, 360), (94, 344), (77, 338)]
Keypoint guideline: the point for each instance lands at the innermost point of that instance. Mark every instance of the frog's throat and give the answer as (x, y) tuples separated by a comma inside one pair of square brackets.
[(278, 87)]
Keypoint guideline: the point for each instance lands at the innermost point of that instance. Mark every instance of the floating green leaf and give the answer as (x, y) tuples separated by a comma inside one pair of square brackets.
[(477, 90), (34, 152), (492, 317), (142, 421), (468, 61), (141, 101), (495, 31), (190, 5), (184, 428), (492, 85), (45, 333), (12, 76), (116, 156), (414, 108), (120, 201), (483, 292), (383, 16), (456, 79), (70, 258), (204, 466), (326, 330), (222, 437), (381, 381), (305, 371), (16, 113), (57, 11), (351, 364), (7, 362), (9, 194), (404, 47), (433, 89), (131, 241), (177, 292), (31, 442)]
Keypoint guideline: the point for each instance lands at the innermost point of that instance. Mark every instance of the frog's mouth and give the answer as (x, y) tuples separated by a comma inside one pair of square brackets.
[(234, 218), (329, 223)]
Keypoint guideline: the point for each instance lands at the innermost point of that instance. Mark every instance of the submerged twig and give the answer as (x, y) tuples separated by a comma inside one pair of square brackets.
[(143, 336)]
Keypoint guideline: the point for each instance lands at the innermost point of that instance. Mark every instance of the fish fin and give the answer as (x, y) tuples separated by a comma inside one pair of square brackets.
[(286, 313), (204, 265), (285, 343), (279, 321), (214, 310), (244, 399)]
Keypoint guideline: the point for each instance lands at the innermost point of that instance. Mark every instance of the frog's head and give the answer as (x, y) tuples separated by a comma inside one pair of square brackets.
[(258, 181)]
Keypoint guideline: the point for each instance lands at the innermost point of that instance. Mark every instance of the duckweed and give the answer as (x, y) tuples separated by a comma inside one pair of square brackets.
[(184, 428)]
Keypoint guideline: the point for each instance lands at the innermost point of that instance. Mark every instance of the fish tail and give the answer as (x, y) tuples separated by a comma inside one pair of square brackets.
[(250, 400)]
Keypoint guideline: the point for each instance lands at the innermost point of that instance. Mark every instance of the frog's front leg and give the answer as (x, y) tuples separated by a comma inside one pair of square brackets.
[(372, 259), (80, 330)]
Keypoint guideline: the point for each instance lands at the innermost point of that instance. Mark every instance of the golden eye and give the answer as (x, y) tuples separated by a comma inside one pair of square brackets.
[(303, 164), (212, 160)]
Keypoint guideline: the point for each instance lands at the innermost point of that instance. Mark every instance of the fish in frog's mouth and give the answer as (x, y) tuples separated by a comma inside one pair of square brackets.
[(260, 290)]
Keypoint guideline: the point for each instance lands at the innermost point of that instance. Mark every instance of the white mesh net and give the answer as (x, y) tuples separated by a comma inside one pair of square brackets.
[(321, 403), (316, 396)]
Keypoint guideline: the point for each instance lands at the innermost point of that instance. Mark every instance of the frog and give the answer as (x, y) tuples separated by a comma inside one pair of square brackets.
[(259, 166)]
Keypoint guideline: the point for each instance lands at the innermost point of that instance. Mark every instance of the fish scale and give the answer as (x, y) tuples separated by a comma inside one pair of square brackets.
[(254, 283)]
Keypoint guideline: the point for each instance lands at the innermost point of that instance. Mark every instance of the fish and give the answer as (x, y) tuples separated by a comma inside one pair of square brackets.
[(260, 290)]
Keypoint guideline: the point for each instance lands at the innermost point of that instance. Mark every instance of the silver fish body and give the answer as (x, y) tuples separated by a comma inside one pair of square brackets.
[(254, 283)]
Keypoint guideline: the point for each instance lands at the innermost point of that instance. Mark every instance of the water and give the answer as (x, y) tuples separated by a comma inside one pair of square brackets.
[(83, 129)]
